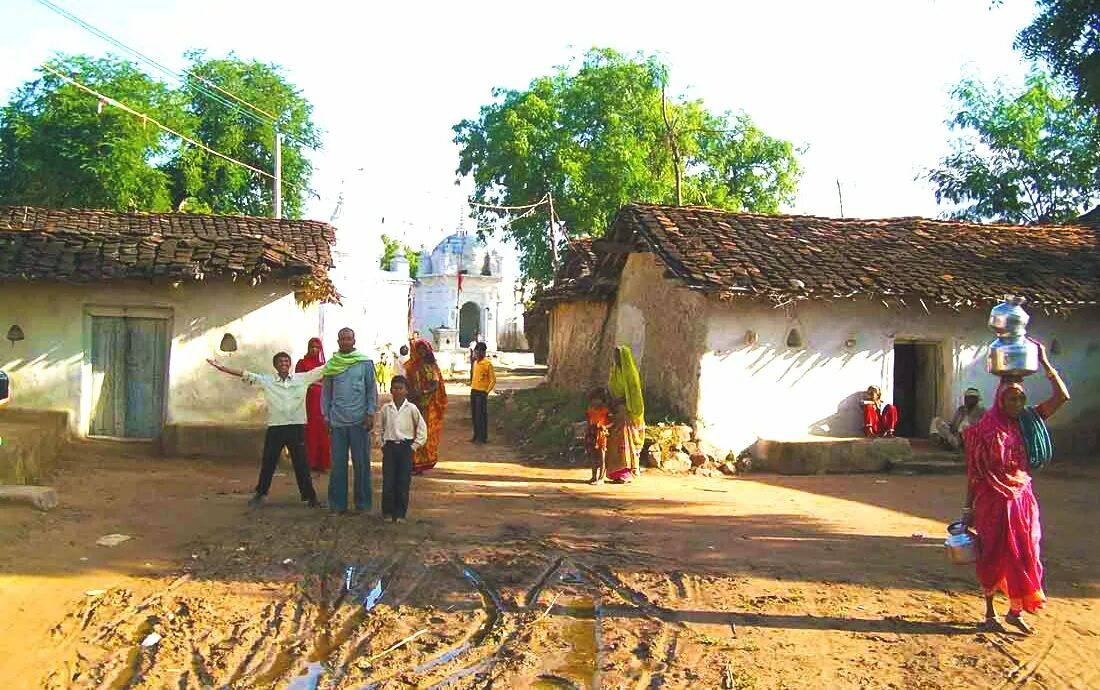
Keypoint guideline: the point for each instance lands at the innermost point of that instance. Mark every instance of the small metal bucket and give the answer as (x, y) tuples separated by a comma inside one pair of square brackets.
[(962, 544)]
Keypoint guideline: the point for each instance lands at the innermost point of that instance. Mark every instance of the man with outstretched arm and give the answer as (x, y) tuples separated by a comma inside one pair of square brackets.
[(285, 395)]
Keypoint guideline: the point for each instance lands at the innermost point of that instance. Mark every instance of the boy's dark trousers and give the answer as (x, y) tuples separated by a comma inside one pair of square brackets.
[(292, 437), (479, 411), (396, 478)]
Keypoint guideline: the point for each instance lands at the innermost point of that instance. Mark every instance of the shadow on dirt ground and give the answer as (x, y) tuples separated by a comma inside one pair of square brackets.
[(512, 576)]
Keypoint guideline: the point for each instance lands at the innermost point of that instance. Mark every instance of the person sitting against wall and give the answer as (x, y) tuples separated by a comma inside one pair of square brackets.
[(950, 434), (878, 419)]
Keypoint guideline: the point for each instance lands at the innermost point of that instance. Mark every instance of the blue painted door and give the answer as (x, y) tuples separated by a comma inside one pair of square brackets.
[(128, 366)]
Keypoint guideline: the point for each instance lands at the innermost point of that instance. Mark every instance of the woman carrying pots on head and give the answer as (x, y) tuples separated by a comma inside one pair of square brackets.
[(1010, 439), (627, 434)]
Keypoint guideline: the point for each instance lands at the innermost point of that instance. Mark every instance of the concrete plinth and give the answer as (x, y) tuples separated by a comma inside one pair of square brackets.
[(32, 443), (829, 455), (213, 441)]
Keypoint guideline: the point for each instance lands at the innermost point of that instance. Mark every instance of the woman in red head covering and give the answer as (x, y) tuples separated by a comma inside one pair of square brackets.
[(1007, 441), (428, 392), (317, 444)]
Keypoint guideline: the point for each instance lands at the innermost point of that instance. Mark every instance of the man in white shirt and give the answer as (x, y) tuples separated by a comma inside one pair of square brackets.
[(403, 432), (285, 395)]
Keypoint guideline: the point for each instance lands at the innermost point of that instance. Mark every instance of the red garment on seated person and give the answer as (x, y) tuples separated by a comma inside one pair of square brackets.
[(879, 422)]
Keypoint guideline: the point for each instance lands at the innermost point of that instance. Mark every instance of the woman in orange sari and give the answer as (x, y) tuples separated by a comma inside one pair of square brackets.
[(1010, 439), (318, 452), (428, 392)]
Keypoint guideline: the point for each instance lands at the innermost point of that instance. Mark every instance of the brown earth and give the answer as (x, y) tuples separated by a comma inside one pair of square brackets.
[(512, 576)]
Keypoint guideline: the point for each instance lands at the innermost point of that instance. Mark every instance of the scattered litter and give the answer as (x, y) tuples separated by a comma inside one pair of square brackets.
[(881, 481), (288, 561), (240, 548), (194, 557), (113, 539), (917, 535), (95, 592), (711, 548), (151, 640), (83, 558), (148, 565)]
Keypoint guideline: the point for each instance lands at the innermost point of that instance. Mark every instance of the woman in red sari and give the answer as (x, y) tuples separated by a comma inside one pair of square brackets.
[(1000, 505), (317, 443), (428, 392)]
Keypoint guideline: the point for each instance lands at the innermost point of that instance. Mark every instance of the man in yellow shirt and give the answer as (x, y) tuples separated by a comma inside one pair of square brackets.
[(482, 383)]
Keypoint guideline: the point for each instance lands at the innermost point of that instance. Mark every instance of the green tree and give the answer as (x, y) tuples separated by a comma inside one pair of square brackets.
[(226, 187), (1066, 35), (391, 248), (61, 147), (603, 135), (1026, 156)]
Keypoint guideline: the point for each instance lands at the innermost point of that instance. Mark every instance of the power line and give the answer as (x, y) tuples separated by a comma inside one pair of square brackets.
[(494, 207), (146, 118), (184, 77)]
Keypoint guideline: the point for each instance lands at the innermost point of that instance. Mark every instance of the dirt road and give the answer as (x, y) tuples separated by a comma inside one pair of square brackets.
[(511, 576)]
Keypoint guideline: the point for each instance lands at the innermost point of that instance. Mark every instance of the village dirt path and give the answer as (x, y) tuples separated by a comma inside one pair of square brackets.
[(513, 576)]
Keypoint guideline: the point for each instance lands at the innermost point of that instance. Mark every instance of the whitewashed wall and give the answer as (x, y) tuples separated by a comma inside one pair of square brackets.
[(50, 368), (768, 390), (375, 304), (437, 300)]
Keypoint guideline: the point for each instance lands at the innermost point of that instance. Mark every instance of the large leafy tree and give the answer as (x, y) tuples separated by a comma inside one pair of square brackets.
[(245, 134), (603, 134), (1066, 35), (1024, 156), (61, 147)]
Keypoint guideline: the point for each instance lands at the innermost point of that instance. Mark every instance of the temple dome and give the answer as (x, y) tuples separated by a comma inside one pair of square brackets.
[(462, 251)]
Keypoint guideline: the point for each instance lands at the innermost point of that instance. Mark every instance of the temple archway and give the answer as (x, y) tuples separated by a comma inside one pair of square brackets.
[(469, 323)]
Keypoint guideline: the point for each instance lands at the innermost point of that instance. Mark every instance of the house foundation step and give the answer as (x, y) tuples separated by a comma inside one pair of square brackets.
[(930, 463)]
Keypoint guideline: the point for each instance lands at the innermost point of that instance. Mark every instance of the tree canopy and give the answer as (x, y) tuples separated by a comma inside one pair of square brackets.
[(604, 134), (62, 147), (1066, 35), (1025, 155), (392, 247)]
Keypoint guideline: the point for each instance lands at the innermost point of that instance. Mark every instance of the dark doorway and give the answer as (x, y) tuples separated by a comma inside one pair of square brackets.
[(469, 322), (917, 369)]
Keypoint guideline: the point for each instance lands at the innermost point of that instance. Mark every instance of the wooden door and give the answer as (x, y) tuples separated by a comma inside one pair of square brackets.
[(128, 366)]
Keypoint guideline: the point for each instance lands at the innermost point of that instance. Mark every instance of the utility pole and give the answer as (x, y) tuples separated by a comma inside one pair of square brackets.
[(277, 211), (553, 232)]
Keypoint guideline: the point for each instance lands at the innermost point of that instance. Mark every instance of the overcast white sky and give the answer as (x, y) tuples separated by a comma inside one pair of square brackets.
[(863, 85)]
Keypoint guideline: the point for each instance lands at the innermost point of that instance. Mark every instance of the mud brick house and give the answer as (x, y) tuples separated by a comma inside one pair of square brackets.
[(770, 327), (118, 312)]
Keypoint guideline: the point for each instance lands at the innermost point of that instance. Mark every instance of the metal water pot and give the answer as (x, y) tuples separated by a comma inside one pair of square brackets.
[(1011, 354), (961, 545)]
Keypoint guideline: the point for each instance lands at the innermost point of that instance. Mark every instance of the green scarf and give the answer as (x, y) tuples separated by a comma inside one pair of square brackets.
[(626, 384), (340, 362)]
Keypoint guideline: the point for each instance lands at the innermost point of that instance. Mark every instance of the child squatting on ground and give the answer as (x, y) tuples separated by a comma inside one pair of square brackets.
[(598, 416), (403, 432)]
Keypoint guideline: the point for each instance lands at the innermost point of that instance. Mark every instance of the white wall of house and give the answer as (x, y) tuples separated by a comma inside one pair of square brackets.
[(771, 391), (375, 304), (51, 368)]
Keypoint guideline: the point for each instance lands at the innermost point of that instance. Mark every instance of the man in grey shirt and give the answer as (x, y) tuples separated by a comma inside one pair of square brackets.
[(349, 399)]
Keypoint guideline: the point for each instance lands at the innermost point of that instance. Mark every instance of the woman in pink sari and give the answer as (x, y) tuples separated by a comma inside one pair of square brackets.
[(1009, 439)]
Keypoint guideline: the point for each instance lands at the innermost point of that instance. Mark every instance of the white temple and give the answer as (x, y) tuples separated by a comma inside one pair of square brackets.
[(458, 294)]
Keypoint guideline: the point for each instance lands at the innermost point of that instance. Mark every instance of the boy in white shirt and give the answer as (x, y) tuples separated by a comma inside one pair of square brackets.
[(285, 395), (403, 432)]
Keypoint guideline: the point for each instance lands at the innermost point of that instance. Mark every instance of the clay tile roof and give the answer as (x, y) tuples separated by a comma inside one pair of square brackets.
[(575, 277), (85, 245), (800, 257)]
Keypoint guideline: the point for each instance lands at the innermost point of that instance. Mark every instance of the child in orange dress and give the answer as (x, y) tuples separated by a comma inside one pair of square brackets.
[(598, 416)]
